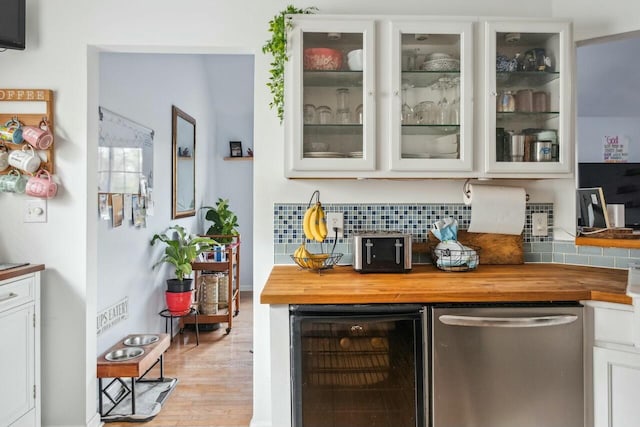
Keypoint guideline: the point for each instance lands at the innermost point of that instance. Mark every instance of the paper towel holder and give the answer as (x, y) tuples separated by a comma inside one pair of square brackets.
[(467, 192)]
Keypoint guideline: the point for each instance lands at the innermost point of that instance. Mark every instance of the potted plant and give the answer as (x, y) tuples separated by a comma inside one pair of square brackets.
[(181, 250), (224, 220)]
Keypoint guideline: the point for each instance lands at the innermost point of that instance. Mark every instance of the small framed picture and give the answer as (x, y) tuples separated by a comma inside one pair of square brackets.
[(236, 148), (592, 208)]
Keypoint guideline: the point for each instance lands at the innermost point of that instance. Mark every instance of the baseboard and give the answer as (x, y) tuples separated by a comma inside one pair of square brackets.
[(95, 421), (255, 423)]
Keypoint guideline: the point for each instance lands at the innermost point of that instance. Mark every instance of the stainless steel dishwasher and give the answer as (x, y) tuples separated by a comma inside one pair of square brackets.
[(508, 365)]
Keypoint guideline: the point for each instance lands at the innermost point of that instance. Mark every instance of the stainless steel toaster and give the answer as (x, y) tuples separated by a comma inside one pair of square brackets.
[(382, 252)]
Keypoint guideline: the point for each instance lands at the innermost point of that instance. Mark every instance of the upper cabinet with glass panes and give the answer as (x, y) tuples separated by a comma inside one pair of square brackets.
[(432, 84), (528, 98), (394, 97)]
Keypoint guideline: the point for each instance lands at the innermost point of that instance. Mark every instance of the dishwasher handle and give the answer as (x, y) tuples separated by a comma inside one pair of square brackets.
[(507, 322)]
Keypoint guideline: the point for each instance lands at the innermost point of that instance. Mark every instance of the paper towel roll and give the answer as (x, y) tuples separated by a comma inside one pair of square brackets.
[(496, 209)]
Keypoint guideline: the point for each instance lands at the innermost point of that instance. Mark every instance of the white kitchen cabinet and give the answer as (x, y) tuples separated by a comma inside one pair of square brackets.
[(431, 71), (20, 355), (329, 104), (416, 92), (616, 385), (612, 357), (528, 95)]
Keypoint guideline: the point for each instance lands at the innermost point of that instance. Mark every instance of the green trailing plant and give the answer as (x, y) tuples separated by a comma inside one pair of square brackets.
[(224, 220), (182, 249), (277, 47)]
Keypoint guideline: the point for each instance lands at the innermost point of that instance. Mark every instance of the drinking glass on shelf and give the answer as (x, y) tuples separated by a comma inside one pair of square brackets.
[(443, 104), (407, 112), (309, 114), (324, 115), (425, 113)]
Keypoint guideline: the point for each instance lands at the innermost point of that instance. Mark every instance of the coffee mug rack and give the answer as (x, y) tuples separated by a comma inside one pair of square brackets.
[(26, 102)]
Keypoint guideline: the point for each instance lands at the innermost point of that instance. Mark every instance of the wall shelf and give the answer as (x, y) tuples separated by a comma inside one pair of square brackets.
[(237, 158)]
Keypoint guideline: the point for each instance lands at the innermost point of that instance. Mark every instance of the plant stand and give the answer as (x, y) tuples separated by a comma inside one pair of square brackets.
[(232, 267)]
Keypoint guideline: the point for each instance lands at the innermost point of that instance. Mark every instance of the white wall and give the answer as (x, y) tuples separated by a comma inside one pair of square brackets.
[(64, 38), (231, 90)]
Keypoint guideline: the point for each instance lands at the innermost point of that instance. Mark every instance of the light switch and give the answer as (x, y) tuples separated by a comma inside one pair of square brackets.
[(35, 210)]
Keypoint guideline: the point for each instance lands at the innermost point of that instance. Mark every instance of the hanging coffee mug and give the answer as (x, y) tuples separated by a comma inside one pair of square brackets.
[(4, 157), (11, 131), (25, 159), (41, 185), (13, 182), (38, 136)]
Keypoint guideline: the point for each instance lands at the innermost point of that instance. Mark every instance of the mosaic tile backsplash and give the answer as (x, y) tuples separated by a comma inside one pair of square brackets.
[(417, 219)]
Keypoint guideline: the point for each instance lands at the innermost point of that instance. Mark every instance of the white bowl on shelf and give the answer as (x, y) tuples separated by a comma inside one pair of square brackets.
[(354, 59)]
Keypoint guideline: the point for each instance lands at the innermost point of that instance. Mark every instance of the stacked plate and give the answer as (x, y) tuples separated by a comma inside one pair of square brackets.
[(323, 154), (429, 155), (355, 154)]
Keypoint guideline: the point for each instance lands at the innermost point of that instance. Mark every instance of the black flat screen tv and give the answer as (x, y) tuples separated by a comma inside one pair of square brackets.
[(620, 183), (12, 24)]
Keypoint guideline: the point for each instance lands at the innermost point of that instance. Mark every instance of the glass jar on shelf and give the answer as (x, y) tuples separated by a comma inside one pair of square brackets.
[(325, 115)]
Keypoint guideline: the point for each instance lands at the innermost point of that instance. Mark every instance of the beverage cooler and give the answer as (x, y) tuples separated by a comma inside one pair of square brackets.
[(358, 365)]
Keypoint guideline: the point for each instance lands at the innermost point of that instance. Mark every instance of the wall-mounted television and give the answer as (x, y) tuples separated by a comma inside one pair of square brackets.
[(12, 24), (620, 183)]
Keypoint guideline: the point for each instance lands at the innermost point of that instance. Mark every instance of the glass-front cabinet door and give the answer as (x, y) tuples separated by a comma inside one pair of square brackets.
[(528, 98), (432, 96), (330, 92)]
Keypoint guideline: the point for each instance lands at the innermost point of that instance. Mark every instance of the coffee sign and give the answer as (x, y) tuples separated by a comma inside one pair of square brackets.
[(24, 95)]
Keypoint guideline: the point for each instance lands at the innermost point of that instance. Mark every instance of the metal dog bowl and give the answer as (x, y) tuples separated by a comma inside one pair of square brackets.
[(136, 340), (123, 354)]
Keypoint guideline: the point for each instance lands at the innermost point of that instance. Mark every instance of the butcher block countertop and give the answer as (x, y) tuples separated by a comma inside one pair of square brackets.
[(19, 271), (426, 284)]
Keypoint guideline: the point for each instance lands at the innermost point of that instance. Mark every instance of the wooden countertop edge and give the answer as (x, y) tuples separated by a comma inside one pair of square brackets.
[(20, 271), (491, 284)]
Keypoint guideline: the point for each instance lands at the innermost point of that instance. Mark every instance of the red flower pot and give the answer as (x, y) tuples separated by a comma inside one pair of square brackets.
[(178, 303)]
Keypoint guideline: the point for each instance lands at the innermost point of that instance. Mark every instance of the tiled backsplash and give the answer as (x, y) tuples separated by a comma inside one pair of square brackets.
[(417, 219)]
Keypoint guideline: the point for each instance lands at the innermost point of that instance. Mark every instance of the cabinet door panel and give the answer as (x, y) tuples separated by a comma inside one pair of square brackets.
[(16, 363), (432, 96), (616, 381), (330, 98), (528, 98)]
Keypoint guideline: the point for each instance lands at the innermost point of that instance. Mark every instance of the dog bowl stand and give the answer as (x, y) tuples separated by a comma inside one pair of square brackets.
[(135, 368)]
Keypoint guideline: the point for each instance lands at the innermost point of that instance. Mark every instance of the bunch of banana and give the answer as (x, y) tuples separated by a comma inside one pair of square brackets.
[(315, 223), (306, 259), (302, 256)]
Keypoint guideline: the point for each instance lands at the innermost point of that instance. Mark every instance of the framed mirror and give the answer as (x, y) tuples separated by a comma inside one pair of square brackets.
[(184, 164)]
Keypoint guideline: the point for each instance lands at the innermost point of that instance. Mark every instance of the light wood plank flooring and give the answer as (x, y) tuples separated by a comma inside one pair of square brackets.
[(214, 379)]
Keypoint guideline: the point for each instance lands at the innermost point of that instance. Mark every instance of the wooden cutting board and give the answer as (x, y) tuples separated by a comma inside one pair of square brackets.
[(494, 248)]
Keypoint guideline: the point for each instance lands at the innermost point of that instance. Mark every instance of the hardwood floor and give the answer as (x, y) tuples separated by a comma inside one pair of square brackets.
[(214, 379)]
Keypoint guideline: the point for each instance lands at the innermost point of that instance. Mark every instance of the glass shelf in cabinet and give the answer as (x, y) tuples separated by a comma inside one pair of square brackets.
[(430, 129), (519, 115), (426, 78), (333, 78), (525, 78), (333, 129)]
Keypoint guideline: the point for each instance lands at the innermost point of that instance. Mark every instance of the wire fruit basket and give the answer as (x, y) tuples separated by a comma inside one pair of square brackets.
[(456, 259), (317, 262)]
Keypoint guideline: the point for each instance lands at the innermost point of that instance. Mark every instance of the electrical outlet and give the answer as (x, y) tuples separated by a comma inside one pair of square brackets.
[(539, 224), (335, 220)]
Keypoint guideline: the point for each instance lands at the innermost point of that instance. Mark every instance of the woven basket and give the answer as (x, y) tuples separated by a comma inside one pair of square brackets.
[(209, 286), (223, 290)]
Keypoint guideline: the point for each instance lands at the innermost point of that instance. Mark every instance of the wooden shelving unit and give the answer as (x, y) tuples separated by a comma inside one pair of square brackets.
[(232, 267), (25, 99)]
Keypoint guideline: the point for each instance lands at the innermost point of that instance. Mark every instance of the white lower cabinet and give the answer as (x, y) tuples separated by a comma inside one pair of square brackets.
[(612, 401), (20, 354), (616, 385)]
